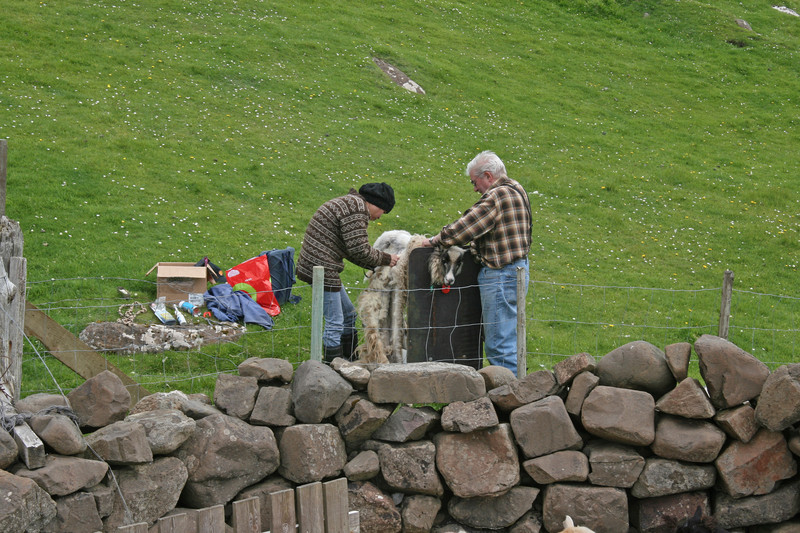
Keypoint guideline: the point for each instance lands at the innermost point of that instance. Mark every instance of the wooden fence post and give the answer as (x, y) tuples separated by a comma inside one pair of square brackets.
[(317, 288), (725, 305)]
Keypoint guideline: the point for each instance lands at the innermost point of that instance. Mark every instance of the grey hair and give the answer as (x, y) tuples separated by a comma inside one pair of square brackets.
[(487, 161)]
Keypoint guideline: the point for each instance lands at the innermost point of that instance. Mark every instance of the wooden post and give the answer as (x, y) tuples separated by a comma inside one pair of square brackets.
[(522, 345), (725, 305), (3, 171), (317, 288)]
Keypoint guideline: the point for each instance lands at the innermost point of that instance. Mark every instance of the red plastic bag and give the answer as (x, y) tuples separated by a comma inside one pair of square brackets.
[(252, 277)]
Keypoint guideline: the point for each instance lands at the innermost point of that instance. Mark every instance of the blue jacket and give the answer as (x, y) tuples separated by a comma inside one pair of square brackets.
[(235, 306)]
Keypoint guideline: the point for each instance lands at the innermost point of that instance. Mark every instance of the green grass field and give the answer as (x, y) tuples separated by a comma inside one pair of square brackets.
[(657, 140)]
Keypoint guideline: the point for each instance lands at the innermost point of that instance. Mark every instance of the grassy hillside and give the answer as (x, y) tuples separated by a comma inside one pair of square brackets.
[(658, 139)]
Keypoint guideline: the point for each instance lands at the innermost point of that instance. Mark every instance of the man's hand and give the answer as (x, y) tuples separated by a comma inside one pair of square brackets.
[(395, 259), (427, 243)]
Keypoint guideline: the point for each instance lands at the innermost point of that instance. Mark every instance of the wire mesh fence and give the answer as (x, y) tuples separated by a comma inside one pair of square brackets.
[(561, 320)]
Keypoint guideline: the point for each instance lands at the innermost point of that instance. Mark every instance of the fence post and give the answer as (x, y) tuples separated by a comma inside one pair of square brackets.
[(725, 306), (522, 344), (317, 288), (3, 171)]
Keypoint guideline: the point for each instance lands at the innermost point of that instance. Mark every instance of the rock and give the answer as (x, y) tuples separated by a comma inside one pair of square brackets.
[(566, 369), (620, 415), (267, 369), (149, 490), (363, 466), (493, 467), (582, 385), (318, 392), (688, 400), (419, 512), (652, 515), (601, 509), (558, 467), (24, 506), (732, 376), (100, 400), (64, 475), (407, 423), (425, 383), (525, 390), (495, 376), (469, 416), (262, 490), (677, 356), (779, 403), (493, 512), (76, 513), (637, 365), (165, 429), (529, 523), (754, 468), (354, 372), (191, 406), (59, 432), (8, 450), (544, 427), (311, 452), (738, 422), (223, 456), (273, 407), (361, 421), (411, 468), (613, 465), (377, 512), (236, 395), (773, 508), (39, 401), (122, 442), (662, 477), (694, 441)]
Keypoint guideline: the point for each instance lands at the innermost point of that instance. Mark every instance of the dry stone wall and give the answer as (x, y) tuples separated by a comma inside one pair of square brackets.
[(626, 442)]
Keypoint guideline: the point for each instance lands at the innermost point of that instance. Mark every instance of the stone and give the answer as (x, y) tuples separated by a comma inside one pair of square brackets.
[(620, 415), (165, 429), (688, 400), (431, 382), (104, 496), (317, 392), (236, 395), (566, 369), (493, 512), (558, 467), (544, 427), (662, 477), (419, 512), (100, 400), (754, 468), (682, 439), (223, 456), (738, 422), (59, 432), (613, 465), (25, 506), (357, 374), (123, 442), (40, 401), (637, 365), (732, 376), (601, 509), (469, 416), (495, 376), (779, 402), (774, 508), (525, 390), (364, 466), (267, 369), (361, 421), (193, 406), (75, 513), (150, 490), (677, 356), (408, 423), (8, 450), (411, 468), (64, 475), (376, 511), (493, 465), (311, 452), (273, 408), (581, 386), (262, 490), (661, 514)]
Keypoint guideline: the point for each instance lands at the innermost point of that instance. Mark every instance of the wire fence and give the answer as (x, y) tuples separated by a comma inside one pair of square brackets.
[(561, 320)]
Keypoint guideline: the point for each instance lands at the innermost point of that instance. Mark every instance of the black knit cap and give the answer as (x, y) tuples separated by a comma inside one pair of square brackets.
[(378, 194)]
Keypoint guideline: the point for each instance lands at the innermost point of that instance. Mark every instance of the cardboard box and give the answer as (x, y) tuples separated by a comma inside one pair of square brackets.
[(178, 281)]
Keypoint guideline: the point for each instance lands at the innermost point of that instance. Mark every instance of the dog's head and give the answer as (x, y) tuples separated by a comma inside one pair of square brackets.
[(445, 264)]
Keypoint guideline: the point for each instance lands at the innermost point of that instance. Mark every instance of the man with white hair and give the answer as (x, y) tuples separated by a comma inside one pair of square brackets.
[(498, 228)]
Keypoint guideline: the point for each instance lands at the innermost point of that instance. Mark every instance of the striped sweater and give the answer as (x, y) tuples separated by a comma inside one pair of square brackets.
[(338, 231)]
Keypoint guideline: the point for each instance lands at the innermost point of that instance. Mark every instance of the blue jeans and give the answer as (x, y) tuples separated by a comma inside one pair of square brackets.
[(340, 317), (498, 289)]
